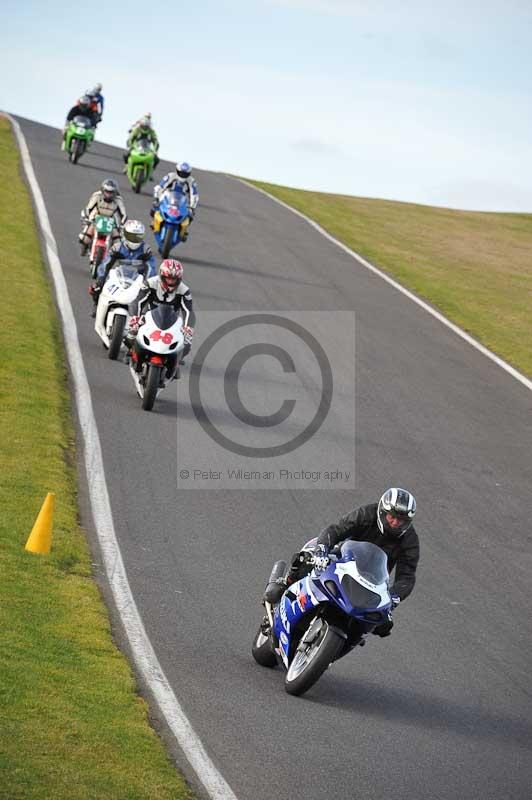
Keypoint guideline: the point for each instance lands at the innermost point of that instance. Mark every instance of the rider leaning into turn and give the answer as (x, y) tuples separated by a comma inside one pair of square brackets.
[(167, 288), (131, 247), (142, 130), (106, 202), (388, 524), (180, 179)]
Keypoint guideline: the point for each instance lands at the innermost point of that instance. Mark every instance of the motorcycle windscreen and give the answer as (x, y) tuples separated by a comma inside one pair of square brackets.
[(371, 561), (164, 316), (178, 200), (127, 273), (83, 122), (143, 145)]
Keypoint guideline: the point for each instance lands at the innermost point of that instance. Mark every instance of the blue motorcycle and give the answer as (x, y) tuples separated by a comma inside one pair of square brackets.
[(171, 221), (326, 614)]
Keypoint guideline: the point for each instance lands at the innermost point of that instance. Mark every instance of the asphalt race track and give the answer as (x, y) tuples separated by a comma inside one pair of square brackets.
[(440, 710)]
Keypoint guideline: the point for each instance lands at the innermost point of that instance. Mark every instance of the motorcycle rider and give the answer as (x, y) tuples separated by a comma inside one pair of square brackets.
[(143, 130), (387, 524), (96, 97), (131, 247), (167, 288), (147, 116), (180, 179), (83, 108), (106, 202)]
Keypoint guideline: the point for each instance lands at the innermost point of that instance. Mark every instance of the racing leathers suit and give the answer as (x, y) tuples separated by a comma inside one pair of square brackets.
[(98, 206), (172, 181), (83, 111), (361, 526), (97, 100), (142, 258), (152, 295)]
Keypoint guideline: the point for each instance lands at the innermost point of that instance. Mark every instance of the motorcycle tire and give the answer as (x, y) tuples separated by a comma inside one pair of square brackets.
[(75, 149), (117, 336), (261, 650), (167, 243), (99, 255), (152, 385), (139, 180), (321, 653)]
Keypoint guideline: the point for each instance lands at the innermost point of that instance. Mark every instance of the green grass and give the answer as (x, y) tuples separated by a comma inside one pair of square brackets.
[(71, 722), (474, 267)]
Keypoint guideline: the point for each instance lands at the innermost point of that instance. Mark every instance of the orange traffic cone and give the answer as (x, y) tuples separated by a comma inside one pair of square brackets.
[(40, 538)]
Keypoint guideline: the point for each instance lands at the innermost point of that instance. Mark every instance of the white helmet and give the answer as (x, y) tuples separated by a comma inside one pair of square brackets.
[(133, 234)]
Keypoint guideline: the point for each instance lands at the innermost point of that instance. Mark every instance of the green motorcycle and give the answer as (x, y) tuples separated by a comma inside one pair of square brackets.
[(140, 163), (79, 136)]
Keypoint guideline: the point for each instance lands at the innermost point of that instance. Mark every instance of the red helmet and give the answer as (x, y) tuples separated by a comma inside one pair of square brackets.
[(170, 274)]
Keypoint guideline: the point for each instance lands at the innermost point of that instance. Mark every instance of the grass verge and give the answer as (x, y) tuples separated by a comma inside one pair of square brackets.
[(474, 267), (72, 724)]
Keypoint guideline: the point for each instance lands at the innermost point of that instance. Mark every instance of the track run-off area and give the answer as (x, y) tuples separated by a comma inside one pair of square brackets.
[(439, 710)]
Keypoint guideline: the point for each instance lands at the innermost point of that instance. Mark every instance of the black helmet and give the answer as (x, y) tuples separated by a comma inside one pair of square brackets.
[(395, 512), (110, 190)]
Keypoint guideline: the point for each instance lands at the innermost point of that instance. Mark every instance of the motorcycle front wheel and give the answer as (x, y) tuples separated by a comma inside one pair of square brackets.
[(75, 151), (317, 649), (153, 379), (167, 243), (99, 254), (117, 335), (139, 180)]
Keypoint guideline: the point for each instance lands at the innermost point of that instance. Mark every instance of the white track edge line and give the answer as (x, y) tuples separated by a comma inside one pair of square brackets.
[(142, 649), (436, 314)]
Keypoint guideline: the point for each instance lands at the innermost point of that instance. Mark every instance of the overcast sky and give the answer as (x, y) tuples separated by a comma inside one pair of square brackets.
[(379, 98)]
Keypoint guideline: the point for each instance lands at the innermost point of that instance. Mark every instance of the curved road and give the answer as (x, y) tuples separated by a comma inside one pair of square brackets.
[(442, 709)]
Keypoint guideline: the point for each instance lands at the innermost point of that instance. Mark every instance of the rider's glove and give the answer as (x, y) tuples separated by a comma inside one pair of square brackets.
[(395, 600), (188, 333), (321, 557), (134, 324)]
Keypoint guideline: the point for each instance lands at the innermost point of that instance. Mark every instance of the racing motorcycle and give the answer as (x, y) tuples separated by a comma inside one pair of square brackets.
[(171, 220), (155, 352), (140, 164), (120, 289), (79, 136), (103, 228), (323, 616)]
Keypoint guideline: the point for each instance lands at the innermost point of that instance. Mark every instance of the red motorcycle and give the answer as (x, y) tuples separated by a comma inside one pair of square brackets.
[(102, 237)]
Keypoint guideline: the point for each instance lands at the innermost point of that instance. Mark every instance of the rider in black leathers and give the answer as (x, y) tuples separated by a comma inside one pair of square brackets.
[(388, 524)]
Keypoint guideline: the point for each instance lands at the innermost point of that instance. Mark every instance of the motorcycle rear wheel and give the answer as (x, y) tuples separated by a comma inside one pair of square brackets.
[(151, 387), (117, 335), (261, 650), (310, 662)]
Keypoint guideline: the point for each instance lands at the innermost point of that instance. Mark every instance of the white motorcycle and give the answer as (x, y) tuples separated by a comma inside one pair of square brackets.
[(155, 353), (120, 289)]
